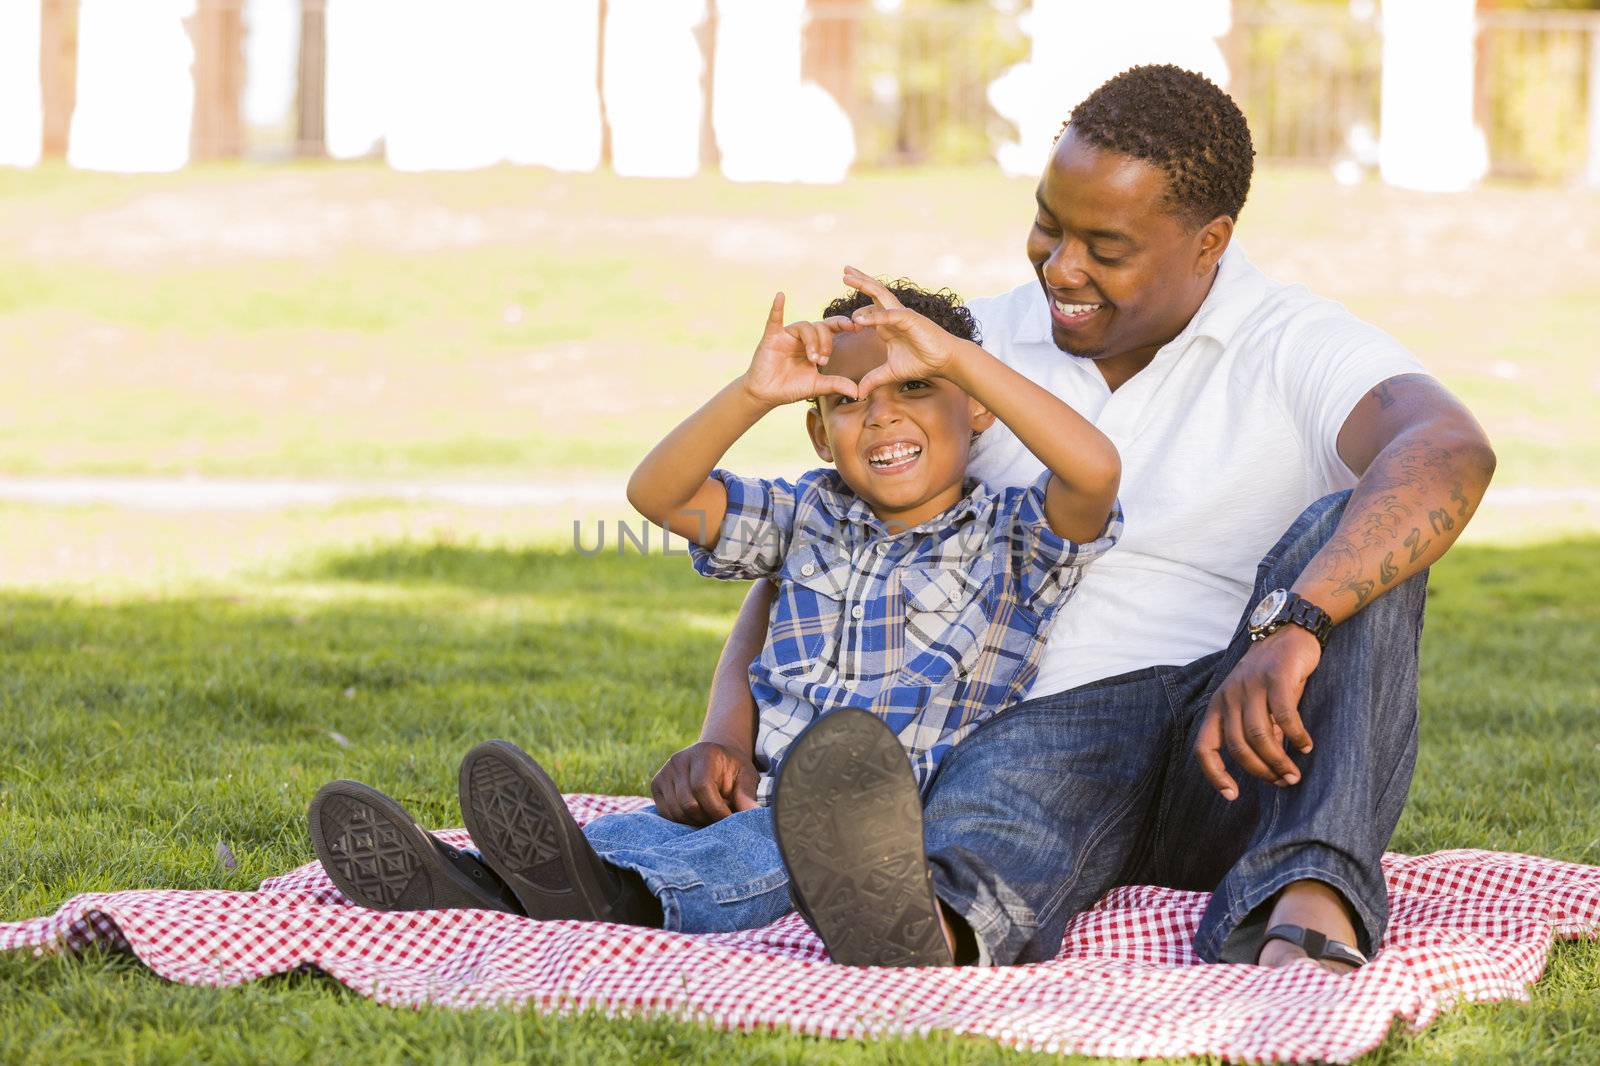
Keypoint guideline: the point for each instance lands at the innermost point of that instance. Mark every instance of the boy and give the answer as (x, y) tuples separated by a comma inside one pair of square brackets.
[(909, 597)]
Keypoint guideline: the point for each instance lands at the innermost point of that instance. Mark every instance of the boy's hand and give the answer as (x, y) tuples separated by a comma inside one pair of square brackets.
[(788, 361), (704, 783), (918, 348)]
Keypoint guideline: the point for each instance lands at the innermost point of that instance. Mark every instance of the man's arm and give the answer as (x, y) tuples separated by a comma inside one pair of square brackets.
[(1424, 463), (716, 776)]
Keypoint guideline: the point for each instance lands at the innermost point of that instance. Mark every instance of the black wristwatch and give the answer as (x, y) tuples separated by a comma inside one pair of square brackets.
[(1280, 607)]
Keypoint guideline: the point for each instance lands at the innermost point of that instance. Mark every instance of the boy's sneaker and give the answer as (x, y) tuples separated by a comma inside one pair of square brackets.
[(848, 818), (375, 853), (520, 823)]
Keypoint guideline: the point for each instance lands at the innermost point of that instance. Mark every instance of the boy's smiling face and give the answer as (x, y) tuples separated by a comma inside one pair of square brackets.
[(903, 448)]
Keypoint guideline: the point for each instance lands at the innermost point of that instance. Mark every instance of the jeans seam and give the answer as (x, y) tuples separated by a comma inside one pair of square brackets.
[(1056, 899)]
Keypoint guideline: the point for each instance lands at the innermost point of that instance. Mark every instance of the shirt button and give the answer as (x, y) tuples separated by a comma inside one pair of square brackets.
[(857, 611), (883, 547), (807, 570)]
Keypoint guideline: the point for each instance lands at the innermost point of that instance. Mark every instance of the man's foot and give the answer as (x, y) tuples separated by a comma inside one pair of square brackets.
[(379, 858), (520, 823), (1310, 919), (848, 819)]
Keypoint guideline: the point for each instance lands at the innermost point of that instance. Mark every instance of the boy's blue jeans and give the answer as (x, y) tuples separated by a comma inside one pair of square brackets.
[(717, 879), (1046, 806)]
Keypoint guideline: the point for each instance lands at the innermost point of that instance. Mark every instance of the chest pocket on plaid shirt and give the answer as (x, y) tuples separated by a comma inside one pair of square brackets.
[(808, 640), (946, 620)]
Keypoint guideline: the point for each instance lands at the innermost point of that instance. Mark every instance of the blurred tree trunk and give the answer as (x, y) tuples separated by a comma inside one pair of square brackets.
[(311, 136), (600, 92), (710, 156), (58, 71), (217, 30)]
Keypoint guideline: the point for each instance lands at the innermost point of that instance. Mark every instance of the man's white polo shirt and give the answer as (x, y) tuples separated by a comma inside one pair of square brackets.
[(1226, 437)]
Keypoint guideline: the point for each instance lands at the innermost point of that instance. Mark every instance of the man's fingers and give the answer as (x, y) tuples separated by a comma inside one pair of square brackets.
[(1264, 738), (1283, 701), (708, 794), (1208, 753), (871, 286), (1238, 746)]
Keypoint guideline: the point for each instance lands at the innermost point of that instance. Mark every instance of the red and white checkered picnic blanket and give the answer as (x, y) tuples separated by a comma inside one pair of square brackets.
[(1466, 925)]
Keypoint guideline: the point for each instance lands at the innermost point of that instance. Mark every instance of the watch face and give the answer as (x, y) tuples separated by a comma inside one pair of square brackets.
[(1268, 608)]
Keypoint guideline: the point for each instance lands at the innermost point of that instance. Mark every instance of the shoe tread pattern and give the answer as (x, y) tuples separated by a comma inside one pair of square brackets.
[(849, 823)]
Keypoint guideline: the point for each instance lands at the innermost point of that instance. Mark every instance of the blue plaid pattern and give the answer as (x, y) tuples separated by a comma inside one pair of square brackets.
[(933, 630)]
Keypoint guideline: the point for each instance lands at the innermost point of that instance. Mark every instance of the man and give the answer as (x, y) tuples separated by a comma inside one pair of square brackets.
[(1254, 606)]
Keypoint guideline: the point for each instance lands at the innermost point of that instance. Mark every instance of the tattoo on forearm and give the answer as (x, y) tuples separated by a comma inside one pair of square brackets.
[(1416, 544), (1386, 569), (1384, 520)]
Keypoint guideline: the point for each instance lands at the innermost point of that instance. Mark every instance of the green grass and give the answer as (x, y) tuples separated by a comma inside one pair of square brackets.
[(349, 321), (144, 726)]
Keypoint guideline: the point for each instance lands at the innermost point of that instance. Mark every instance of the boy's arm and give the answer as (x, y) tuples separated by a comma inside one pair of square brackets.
[(716, 775), (1084, 464), (672, 486)]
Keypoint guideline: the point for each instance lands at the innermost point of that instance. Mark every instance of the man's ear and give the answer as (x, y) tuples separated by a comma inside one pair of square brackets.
[(979, 417), (1211, 241), (818, 432)]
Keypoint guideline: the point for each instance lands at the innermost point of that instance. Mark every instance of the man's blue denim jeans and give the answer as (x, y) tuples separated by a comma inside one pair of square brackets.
[(1043, 808), (726, 876)]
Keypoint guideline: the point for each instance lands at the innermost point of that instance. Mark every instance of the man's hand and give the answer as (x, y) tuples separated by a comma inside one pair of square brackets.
[(704, 783), (1256, 708), (787, 363), (917, 346)]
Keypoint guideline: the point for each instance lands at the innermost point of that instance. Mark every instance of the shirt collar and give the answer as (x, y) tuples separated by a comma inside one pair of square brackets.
[(848, 509), (1236, 290)]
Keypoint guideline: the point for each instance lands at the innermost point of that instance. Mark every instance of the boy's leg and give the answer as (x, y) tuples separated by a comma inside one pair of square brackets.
[(1360, 707), (720, 878), (636, 868)]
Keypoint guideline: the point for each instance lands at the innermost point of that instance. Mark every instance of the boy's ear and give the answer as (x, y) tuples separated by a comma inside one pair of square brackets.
[(818, 432), (979, 416)]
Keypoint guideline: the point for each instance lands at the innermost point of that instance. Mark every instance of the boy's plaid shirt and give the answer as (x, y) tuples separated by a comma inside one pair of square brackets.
[(932, 630)]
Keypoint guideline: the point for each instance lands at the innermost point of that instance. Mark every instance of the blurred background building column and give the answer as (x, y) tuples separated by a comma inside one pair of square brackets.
[(134, 104), (1078, 44), (23, 51), (771, 123), (1427, 138)]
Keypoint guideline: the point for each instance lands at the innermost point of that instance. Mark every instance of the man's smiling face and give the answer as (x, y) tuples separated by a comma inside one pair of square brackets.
[(1123, 270)]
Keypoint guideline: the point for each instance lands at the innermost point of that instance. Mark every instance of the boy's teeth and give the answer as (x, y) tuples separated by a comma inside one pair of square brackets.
[(1076, 309), (892, 454)]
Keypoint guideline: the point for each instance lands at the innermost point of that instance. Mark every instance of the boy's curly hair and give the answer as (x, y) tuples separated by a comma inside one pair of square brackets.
[(1181, 123), (943, 307)]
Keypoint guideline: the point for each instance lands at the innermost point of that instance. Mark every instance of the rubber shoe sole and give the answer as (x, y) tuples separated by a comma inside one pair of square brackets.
[(373, 851), (848, 818), (520, 823)]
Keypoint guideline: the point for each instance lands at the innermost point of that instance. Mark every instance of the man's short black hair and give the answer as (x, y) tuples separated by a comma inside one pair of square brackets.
[(1182, 123), (943, 307)]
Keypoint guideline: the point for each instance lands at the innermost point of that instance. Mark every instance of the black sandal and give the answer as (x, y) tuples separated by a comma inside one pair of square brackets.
[(1317, 946)]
